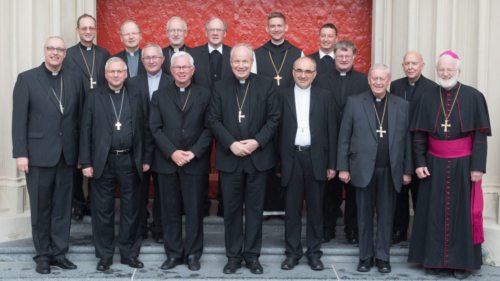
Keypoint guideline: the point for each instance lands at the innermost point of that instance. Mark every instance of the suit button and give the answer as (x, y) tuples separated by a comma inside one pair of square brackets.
[(60, 133)]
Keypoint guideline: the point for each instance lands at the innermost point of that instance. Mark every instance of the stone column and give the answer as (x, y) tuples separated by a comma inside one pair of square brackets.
[(469, 28), (28, 23)]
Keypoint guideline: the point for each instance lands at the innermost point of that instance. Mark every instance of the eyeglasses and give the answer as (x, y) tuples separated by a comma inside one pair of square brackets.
[(182, 67), (56, 49), (176, 30), (216, 30), (304, 71), (128, 34), (151, 58), (116, 71)]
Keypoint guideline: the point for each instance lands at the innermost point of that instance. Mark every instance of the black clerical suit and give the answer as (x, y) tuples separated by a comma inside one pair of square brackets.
[(342, 86), (303, 169), (115, 156), (243, 179), (324, 65), (49, 139), (140, 66), (177, 122), (88, 63), (412, 93), (376, 164), (283, 57), (168, 52), (140, 83)]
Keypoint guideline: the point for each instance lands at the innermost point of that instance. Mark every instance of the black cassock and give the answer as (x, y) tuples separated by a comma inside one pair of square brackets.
[(442, 230)]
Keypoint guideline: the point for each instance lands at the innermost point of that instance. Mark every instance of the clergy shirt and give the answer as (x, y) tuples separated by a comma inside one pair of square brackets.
[(133, 63), (322, 54), (153, 82), (302, 105)]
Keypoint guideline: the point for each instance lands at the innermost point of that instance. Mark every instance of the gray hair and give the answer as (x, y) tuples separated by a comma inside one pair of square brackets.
[(176, 18), (115, 59), (215, 18), (244, 46), (152, 45), (380, 66), (182, 54)]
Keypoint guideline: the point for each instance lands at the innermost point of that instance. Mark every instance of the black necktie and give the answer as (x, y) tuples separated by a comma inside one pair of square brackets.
[(326, 63), (215, 65)]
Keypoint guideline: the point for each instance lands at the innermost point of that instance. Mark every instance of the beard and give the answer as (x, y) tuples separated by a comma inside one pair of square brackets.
[(449, 83)]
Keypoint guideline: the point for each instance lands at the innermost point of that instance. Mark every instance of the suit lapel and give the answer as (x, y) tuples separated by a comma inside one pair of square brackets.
[(191, 94), (133, 108), (68, 92), (42, 79), (226, 51), (370, 114), (290, 101), (106, 106), (312, 108), (392, 111)]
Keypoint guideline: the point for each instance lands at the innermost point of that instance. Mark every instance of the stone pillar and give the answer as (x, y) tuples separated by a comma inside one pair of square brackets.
[(28, 24), (467, 27)]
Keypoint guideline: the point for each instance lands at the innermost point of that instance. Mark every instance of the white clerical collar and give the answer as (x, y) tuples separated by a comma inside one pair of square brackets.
[(299, 90), (157, 75), (322, 54), (132, 53), (55, 73), (210, 49), (242, 81), (343, 73)]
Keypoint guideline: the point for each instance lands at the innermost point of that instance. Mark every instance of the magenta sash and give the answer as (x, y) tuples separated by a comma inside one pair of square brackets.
[(462, 148)]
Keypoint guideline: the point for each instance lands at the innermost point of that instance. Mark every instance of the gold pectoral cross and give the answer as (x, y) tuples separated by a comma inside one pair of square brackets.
[(446, 125), (278, 78), (381, 131), (240, 116), (92, 83)]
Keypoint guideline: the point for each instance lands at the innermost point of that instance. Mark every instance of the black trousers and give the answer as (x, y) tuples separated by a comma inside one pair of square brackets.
[(332, 200), (378, 196), (155, 227), (246, 186), (350, 210), (119, 169), (302, 186), (79, 200), (402, 210), (50, 190), (176, 190)]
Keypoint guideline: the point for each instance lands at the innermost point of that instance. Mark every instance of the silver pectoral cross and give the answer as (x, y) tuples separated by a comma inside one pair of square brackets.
[(92, 83), (61, 108), (381, 131), (118, 125), (240, 116), (446, 125)]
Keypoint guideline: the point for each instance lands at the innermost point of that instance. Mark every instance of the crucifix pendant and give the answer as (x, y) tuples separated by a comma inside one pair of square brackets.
[(381, 131), (118, 125), (446, 125), (61, 108), (278, 78), (92, 83), (240, 116)]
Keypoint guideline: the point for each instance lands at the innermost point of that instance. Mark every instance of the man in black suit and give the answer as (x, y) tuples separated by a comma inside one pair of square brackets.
[(88, 60), (152, 58), (176, 32), (130, 35), (308, 146), (325, 56), (411, 87), (345, 81), (212, 64), (243, 117), (115, 147), (374, 154), (45, 118), (181, 160)]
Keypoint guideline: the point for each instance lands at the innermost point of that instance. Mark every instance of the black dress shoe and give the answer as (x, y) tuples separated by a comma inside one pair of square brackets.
[(231, 266), (133, 262), (158, 238), (437, 271), (289, 263), (171, 263), (327, 236), (193, 263), (383, 266), (77, 214), (316, 264), (254, 266), (63, 263), (398, 236), (365, 265), (104, 264), (461, 274), (352, 238), (43, 267)]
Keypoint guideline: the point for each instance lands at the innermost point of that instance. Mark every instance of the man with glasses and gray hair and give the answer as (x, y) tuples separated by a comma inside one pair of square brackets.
[(46, 111), (177, 31)]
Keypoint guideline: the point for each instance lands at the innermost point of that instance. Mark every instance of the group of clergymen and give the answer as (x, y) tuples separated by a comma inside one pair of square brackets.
[(278, 119)]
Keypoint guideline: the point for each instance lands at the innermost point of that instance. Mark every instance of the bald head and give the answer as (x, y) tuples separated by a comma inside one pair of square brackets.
[(413, 64)]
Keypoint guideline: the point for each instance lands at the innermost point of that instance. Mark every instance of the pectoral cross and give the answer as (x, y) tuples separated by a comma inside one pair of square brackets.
[(92, 83), (118, 125), (446, 125), (240, 116), (381, 131), (61, 108), (278, 78)]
